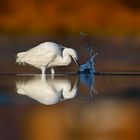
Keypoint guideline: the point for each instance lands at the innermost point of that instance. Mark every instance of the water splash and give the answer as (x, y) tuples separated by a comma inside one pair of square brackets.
[(87, 69), (88, 66)]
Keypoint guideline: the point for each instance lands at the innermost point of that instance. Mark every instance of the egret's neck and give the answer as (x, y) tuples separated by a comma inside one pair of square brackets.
[(66, 59), (63, 60)]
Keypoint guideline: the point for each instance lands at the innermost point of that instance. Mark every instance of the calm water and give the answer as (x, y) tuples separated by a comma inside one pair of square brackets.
[(70, 107)]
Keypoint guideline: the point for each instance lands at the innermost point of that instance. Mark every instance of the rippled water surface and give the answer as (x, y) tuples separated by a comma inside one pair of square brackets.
[(69, 107)]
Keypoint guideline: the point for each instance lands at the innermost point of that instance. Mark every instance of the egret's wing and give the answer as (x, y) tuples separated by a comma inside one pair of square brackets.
[(39, 51), (40, 56), (44, 48)]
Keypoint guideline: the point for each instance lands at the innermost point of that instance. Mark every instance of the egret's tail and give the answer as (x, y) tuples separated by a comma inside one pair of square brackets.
[(20, 57)]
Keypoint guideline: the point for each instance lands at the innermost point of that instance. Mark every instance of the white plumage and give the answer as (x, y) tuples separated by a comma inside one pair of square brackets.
[(48, 55), (47, 91)]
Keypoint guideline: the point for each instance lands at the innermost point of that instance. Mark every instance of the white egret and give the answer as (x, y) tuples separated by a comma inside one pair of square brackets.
[(48, 91), (48, 55)]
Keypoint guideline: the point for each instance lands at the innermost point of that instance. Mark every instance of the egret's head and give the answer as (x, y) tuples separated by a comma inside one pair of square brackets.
[(73, 54)]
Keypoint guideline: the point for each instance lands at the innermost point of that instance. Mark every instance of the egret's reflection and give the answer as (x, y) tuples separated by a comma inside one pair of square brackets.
[(48, 90)]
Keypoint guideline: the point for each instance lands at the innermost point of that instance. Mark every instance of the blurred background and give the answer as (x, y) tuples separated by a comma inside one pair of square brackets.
[(60, 17), (112, 27)]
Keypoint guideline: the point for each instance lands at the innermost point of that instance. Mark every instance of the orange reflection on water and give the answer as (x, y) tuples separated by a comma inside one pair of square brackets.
[(105, 119)]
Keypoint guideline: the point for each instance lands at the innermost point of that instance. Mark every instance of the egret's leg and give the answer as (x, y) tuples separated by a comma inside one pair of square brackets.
[(52, 70), (43, 77), (43, 69)]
